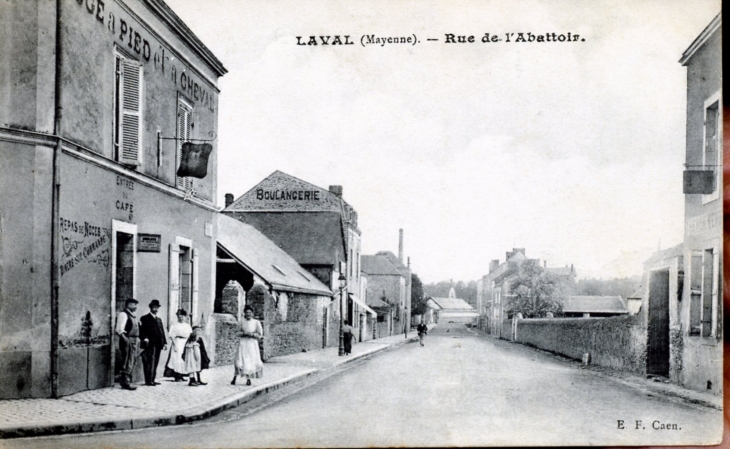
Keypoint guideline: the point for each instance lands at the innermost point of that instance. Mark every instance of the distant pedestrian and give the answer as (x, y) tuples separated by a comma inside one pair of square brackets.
[(128, 331), (153, 342), (196, 357), (179, 334), (422, 330), (347, 335), (248, 362)]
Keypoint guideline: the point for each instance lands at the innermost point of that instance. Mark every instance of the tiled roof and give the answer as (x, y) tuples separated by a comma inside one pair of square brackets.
[(392, 258), (668, 253), (311, 239), (253, 250), (377, 303), (378, 265), (452, 303), (594, 304)]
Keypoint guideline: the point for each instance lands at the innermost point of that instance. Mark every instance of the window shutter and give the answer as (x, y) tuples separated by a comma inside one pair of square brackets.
[(131, 105), (195, 285), (707, 299), (173, 283), (184, 122)]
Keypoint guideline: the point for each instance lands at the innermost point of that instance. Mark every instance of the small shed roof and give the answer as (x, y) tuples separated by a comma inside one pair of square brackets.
[(594, 304), (255, 252), (453, 304), (377, 303)]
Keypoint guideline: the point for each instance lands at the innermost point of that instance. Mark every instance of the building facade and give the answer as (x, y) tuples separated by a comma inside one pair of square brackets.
[(103, 95), (701, 306), (318, 228), (495, 291), (385, 292)]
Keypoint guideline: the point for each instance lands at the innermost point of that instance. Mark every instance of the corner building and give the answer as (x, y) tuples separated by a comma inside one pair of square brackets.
[(700, 311), (102, 94), (318, 228)]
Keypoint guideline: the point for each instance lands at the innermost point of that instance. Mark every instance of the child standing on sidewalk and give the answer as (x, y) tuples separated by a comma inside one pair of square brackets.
[(196, 357)]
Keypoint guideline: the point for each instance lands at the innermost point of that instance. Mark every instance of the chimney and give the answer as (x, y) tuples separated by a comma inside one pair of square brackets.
[(544, 263), (400, 245), (409, 262), (337, 190), (229, 199), (493, 265)]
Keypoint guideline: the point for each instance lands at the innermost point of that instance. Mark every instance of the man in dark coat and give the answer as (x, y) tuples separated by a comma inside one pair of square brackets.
[(152, 335), (422, 331), (128, 331)]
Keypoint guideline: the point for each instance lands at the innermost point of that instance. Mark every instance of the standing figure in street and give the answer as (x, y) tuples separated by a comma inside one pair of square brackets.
[(179, 334), (422, 331), (196, 357), (248, 362), (347, 336), (152, 335), (128, 331)]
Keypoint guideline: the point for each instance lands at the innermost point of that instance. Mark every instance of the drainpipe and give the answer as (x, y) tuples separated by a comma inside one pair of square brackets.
[(55, 208)]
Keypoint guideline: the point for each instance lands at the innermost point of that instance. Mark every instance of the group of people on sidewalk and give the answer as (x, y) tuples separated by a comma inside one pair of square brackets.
[(145, 338)]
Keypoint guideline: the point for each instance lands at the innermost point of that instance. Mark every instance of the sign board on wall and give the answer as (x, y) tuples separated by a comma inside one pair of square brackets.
[(149, 243)]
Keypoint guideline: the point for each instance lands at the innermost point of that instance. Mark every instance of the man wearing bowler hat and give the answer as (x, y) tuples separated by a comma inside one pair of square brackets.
[(128, 331), (152, 336)]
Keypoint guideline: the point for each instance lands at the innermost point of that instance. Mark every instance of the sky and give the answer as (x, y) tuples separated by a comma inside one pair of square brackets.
[(574, 151)]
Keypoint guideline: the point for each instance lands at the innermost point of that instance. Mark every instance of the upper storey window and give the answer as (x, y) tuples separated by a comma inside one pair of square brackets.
[(712, 145), (127, 111), (184, 134)]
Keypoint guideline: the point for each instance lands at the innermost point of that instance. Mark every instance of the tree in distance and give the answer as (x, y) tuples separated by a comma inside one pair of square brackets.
[(535, 292), (418, 299)]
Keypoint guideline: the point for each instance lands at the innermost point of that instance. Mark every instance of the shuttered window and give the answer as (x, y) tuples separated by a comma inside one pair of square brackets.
[(184, 134), (128, 111), (705, 298), (712, 157)]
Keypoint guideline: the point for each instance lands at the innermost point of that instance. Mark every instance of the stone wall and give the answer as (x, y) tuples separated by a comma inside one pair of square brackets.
[(294, 324), (617, 342), (226, 339)]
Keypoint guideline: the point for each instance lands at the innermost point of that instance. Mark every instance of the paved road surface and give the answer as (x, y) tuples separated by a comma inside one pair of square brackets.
[(460, 389)]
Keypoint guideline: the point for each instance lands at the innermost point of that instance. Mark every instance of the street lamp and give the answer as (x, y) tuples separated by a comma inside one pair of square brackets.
[(343, 294)]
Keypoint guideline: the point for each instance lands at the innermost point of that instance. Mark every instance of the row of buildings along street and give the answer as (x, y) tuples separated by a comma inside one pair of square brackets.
[(110, 135), (671, 326)]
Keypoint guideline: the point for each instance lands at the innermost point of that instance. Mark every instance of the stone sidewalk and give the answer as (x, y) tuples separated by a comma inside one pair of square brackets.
[(171, 402)]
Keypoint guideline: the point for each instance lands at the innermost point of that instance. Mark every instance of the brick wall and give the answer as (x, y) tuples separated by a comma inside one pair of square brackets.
[(618, 342)]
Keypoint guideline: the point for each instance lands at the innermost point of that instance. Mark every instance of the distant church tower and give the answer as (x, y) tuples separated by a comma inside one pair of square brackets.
[(452, 293)]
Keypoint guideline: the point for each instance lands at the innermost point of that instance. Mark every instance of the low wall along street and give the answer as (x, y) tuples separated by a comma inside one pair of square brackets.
[(618, 342)]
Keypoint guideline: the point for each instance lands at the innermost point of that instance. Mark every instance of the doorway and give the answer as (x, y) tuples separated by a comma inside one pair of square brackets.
[(123, 272), (658, 338)]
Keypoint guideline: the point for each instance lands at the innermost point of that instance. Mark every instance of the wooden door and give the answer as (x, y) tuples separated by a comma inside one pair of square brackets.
[(658, 350)]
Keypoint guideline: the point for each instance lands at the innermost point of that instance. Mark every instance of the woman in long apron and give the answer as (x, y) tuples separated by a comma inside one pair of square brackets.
[(248, 362), (179, 334)]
